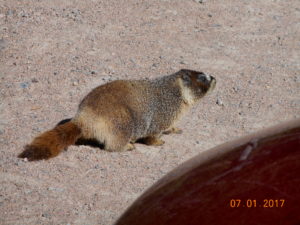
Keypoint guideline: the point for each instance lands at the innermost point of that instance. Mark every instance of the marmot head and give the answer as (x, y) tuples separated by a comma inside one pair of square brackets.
[(198, 83)]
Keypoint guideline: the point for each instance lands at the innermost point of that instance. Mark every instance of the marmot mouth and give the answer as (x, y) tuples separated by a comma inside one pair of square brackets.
[(212, 85)]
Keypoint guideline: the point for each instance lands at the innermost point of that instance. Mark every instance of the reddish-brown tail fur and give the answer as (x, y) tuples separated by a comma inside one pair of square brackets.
[(50, 143)]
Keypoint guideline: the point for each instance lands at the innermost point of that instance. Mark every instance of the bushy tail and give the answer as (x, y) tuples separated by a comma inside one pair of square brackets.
[(50, 143)]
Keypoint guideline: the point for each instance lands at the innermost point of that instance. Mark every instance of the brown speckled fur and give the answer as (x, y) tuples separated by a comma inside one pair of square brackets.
[(50, 143), (122, 112)]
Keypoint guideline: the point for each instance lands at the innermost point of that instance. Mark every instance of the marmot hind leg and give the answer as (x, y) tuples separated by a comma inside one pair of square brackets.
[(152, 140), (129, 147), (118, 143), (173, 130)]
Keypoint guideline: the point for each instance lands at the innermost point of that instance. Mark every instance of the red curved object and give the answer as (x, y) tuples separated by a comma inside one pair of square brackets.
[(254, 180)]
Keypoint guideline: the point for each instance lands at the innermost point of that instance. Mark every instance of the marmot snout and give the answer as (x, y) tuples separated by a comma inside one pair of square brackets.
[(119, 113)]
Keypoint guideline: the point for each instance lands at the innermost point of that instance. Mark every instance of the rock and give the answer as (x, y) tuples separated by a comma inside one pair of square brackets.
[(3, 44), (24, 85), (10, 12), (28, 192), (236, 89), (219, 102), (55, 189), (216, 25), (34, 80), (200, 1), (23, 14), (297, 78), (46, 215), (251, 81), (18, 163)]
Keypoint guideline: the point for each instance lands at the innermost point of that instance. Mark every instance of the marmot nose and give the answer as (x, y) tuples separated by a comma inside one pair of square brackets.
[(209, 78)]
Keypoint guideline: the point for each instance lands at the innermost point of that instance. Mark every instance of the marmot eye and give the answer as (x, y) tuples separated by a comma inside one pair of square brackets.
[(186, 78), (201, 78)]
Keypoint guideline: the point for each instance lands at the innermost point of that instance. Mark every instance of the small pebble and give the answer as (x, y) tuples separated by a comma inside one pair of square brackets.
[(34, 80), (55, 189), (46, 215), (3, 44), (216, 25), (75, 83), (24, 85), (28, 192), (219, 102), (236, 89), (10, 12)]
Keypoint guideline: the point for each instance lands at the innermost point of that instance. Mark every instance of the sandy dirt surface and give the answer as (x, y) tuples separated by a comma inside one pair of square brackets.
[(52, 53)]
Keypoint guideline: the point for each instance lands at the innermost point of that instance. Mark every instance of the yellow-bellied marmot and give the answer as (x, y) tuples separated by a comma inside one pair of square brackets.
[(121, 112)]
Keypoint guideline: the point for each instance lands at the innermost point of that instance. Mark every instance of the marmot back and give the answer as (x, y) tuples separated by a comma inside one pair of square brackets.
[(119, 113)]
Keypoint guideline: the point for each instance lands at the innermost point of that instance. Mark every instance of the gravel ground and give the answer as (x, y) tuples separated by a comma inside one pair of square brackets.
[(52, 53)]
